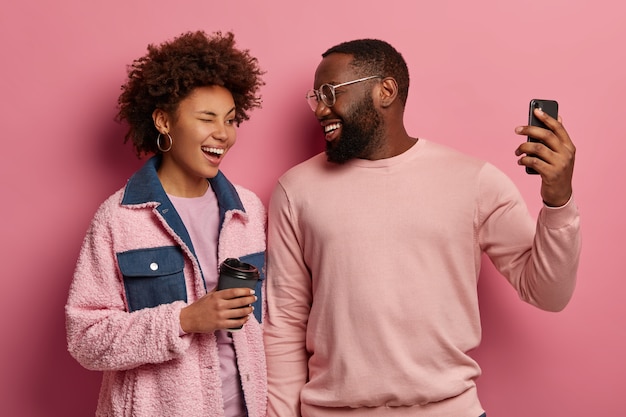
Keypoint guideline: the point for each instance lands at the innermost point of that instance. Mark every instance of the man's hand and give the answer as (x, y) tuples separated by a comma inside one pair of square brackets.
[(553, 158)]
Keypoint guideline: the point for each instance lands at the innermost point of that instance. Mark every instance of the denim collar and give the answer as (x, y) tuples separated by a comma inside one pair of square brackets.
[(144, 187)]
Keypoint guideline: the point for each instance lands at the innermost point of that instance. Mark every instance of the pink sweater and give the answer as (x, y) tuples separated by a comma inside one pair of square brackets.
[(372, 288), (149, 369)]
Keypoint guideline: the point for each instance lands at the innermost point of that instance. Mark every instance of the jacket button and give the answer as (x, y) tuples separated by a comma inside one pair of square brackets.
[(154, 266)]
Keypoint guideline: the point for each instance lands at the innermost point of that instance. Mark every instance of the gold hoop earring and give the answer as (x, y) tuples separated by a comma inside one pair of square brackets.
[(158, 143)]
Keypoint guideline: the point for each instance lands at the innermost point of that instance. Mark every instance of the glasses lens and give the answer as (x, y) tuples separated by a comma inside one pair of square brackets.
[(327, 93), (311, 98)]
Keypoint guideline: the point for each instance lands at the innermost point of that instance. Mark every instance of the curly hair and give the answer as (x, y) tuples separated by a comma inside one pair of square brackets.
[(169, 72), (376, 57)]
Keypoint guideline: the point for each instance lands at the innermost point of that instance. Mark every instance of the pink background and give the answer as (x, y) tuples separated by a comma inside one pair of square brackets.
[(474, 66)]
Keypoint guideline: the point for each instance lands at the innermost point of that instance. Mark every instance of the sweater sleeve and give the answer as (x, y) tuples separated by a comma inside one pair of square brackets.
[(289, 302), (540, 259), (101, 333)]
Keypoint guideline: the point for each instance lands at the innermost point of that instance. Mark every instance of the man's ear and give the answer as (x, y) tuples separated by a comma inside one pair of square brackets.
[(161, 121), (388, 91)]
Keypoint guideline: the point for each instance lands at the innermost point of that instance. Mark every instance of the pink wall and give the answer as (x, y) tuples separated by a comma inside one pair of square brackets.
[(474, 65)]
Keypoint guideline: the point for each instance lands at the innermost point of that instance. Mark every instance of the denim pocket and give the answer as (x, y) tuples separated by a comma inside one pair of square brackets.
[(153, 276)]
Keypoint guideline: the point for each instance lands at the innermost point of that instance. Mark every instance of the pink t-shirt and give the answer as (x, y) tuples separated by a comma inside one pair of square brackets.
[(201, 218)]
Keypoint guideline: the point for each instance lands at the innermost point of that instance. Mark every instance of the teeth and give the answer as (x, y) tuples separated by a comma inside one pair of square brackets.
[(213, 150), (331, 127)]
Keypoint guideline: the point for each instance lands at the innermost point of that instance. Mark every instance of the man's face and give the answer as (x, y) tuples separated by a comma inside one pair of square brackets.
[(352, 126), (361, 133)]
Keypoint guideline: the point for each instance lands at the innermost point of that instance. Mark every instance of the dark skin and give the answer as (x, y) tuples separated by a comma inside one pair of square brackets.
[(554, 159), (218, 310), (555, 155), (335, 69)]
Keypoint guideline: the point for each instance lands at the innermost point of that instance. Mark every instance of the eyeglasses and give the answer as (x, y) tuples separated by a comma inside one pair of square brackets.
[(326, 92)]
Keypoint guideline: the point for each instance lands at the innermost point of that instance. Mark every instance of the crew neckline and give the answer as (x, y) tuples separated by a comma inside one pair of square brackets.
[(176, 197), (394, 160)]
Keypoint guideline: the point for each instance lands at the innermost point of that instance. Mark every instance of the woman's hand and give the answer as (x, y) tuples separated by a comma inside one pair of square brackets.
[(216, 310)]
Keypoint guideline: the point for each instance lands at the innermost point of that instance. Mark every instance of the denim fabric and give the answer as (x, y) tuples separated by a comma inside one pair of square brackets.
[(258, 260), (153, 276), (144, 186)]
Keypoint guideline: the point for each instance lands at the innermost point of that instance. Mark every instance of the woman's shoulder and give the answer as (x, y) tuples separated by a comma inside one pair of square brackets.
[(111, 207), (249, 198)]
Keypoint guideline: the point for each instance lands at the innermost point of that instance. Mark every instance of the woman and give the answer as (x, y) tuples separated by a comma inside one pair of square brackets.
[(142, 306)]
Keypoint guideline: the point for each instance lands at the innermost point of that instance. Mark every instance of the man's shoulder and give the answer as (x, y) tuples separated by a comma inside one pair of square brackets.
[(442, 160), (310, 167), (444, 151)]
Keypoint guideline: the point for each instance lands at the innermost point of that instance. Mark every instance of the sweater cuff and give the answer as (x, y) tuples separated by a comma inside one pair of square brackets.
[(558, 217)]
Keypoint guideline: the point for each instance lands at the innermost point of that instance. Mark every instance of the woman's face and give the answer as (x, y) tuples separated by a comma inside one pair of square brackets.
[(202, 131)]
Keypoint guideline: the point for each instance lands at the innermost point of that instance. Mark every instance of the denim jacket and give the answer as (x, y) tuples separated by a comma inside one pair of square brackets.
[(136, 270), (154, 276)]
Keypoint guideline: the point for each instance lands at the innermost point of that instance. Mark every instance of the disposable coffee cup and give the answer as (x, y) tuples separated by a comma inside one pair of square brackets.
[(237, 274)]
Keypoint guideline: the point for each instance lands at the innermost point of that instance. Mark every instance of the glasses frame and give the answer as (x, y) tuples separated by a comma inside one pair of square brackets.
[(330, 101)]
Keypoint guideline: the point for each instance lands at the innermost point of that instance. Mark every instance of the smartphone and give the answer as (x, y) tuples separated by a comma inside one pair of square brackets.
[(551, 107)]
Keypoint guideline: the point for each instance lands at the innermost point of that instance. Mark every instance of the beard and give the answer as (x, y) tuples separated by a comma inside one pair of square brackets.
[(361, 134)]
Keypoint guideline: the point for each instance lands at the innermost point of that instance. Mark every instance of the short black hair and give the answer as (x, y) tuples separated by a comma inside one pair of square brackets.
[(169, 72), (376, 57)]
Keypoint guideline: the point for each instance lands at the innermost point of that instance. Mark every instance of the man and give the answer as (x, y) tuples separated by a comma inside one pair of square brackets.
[(374, 251)]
